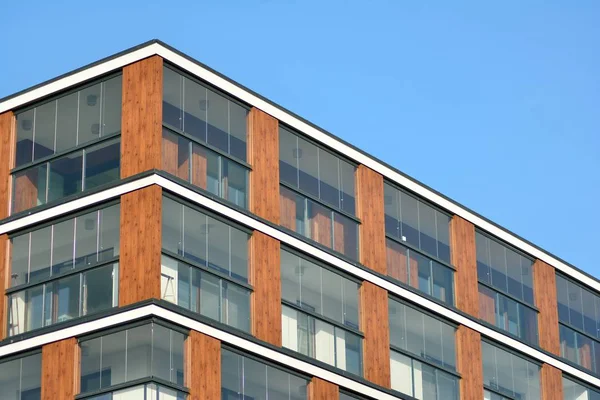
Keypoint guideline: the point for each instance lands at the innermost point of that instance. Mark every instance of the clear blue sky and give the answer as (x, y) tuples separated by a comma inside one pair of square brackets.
[(495, 105)]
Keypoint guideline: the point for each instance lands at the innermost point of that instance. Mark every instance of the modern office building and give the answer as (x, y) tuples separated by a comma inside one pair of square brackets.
[(166, 233)]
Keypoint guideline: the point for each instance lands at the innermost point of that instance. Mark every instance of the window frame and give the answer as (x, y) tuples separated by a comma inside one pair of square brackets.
[(567, 324), (575, 380), (131, 384)]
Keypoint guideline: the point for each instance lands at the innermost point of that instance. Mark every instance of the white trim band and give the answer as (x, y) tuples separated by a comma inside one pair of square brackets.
[(294, 242)]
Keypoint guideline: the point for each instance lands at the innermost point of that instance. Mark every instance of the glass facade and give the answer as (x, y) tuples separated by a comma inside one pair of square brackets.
[(245, 378), (205, 265), (579, 317), (506, 288), (317, 194), (575, 391), (149, 391), (57, 150), (320, 313), (146, 351), (64, 270), (423, 354), (505, 373), (20, 378), (204, 138)]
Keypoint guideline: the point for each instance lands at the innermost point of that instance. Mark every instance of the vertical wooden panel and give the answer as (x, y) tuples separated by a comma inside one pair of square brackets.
[(551, 383), (318, 389), (263, 156), (203, 367), (141, 119), (374, 322), (287, 203), (265, 276), (464, 259), (139, 265), (370, 210), (7, 149), (60, 369), (4, 282), (544, 289), (469, 363)]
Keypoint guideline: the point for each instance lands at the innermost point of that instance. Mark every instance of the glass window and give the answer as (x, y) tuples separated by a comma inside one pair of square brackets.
[(508, 314), (419, 271), (316, 171), (246, 378), (205, 168), (417, 223), (507, 373), (204, 114), (319, 290), (504, 269), (69, 121), (575, 391), (148, 391), (20, 379), (150, 350)]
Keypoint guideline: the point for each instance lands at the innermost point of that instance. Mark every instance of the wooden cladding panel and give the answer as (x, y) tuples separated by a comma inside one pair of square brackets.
[(60, 370), (469, 363), (464, 259), (319, 389), (265, 276), (263, 156), (370, 210), (7, 146), (374, 322), (4, 282), (544, 289), (139, 265), (551, 383), (203, 367), (141, 118)]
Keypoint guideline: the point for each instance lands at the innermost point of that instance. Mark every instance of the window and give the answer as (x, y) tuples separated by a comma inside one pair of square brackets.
[(579, 317), (205, 265), (245, 378), (506, 288), (20, 378), (149, 350), (65, 270), (204, 138), (575, 391), (417, 244), (423, 354), (148, 391), (320, 313), (317, 194), (68, 145), (510, 375), (348, 396)]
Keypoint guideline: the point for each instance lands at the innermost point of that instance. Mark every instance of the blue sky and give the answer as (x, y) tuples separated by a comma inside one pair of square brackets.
[(495, 105)]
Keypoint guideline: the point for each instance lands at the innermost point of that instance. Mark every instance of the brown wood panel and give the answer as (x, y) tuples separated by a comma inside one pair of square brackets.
[(4, 282), (370, 210), (551, 383), (139, 265), (464, 259), (263, 156), (400, 266), (60, 370), (141, 118), (544, 290), (265, 277), (203, 366), (374, 322), (7, 149), (469, 363), (26, 192), (319, 389), (287, 203), (320, 226)]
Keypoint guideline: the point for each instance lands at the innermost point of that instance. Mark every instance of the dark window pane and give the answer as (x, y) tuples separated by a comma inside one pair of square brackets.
[(196, 106), (391, 198), (139, 352), (62, 246), (91, 355), (195, 236), (239, 254), (348, 192), (24, 152), (329, 178), (345, 232), (238, 116), (172, 98), (45, 125), (235, 182), (39, 267), (217, 115), (172, 227), (65, 176), (29, 188), (427, 229), (409, 212), (288, 157), (66, 122), (443, 283), (65, 299), (19, 264), (86, 239), (90, 101), (320, 224), (109, 232), (443, 236), (102, 164), (111, 106), (237, 310), (308, 162), (219, 246), (98, 294)]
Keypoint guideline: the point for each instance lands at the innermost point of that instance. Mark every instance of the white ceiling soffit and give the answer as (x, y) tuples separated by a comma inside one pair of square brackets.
[(232, 88)]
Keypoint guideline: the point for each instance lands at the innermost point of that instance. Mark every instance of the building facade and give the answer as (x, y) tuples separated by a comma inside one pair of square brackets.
[(166, 233)]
